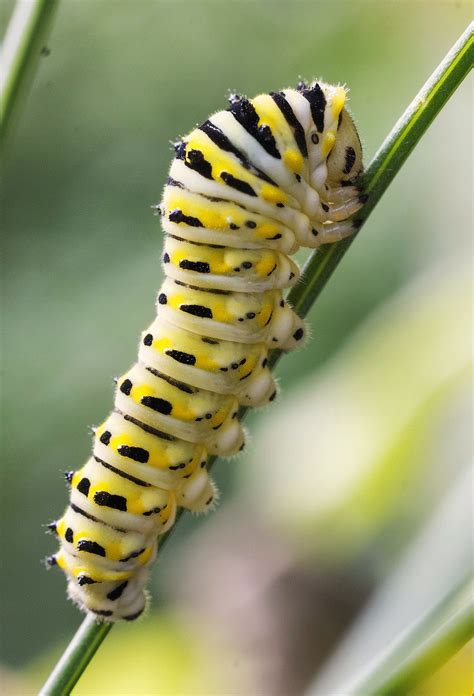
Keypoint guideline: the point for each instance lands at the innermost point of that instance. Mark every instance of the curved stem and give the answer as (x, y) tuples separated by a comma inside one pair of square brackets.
[(316, 273), (76, 657), (422, 649), (21, 50)]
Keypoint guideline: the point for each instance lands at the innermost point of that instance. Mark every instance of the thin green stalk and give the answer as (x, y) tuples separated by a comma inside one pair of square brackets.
[(21, 51), (317, 271), (76, 657), (422, 649)]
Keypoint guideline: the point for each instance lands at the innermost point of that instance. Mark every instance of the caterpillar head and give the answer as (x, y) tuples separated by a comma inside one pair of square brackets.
[(344, 162), (332, 140)]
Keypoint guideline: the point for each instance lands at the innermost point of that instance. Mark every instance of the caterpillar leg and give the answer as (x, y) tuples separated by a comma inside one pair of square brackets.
[(339, 203), (287, 329), (297, 336), (344, 209), (340, 194), (198, 493), (259, 390), (330, 232), (229, 439)]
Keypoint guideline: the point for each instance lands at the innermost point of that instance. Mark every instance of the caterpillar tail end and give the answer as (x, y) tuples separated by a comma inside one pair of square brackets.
[(132, 602)]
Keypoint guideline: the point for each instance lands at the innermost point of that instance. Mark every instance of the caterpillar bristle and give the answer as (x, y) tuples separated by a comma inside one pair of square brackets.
[(51, 528), (234, 98), (157, 209), (245, 190)]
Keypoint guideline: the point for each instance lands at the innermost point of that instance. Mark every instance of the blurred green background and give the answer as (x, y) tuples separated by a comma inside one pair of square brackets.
[(253, 598)]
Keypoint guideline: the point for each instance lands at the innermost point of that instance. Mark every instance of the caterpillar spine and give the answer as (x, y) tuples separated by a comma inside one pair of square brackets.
[(245, 190)]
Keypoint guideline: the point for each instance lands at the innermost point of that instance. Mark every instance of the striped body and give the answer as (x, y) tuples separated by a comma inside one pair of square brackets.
[(245, 190)]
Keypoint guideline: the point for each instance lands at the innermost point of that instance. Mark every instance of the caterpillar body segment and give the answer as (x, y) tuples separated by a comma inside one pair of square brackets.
[(239, 317), (229, 269), (223, 367), (245, 190)]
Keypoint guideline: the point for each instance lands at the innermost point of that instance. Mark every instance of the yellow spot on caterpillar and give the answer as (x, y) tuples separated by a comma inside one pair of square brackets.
[(204, 362), (270, 115), (61, 561), (265, 265), (175, 301), (173, 201), (248, 366), (219, 417), (100, 486), (327, 144), (211, 219), (293, 160), (144, 557), (101, 575), (264, 315), (176, 257), (158, 459), (272, 194), (161, 344), (114, 550), (122, 439), (219, 160), (220, 313), (141, 390), (217, 262), (214, 257), (338, 101), (182, 413), (165, 514), (82, 534), (267, 230), (135, 506)]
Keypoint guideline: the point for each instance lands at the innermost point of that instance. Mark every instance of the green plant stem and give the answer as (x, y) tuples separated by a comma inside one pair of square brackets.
[(25, 38), (422, 649), (76, 657), (317, 271)]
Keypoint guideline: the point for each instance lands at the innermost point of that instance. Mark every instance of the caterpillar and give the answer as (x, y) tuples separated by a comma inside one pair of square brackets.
[(245, 190)]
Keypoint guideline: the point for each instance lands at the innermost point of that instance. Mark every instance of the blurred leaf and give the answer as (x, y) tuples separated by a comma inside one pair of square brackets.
[(436, 561), (455, 678), (421, 649), (167, 655)]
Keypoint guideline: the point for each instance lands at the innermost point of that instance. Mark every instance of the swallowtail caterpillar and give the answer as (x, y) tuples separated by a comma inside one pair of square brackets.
[(245, 190)]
